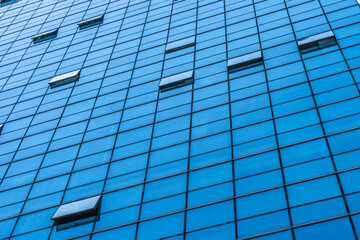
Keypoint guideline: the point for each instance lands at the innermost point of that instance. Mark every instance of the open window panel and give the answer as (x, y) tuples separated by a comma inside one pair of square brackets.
[(180, 44), (6, 2), (245, 61), (91, 22), (77, 213), (64, 78), (1, 127), (316, 42), (176, 80), (45, 36)]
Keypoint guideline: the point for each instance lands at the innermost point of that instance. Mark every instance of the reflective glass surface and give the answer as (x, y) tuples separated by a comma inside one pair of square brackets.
[(269, 151)]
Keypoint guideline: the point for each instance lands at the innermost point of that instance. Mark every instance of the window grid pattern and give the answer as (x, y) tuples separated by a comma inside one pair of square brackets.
[(267, 152)]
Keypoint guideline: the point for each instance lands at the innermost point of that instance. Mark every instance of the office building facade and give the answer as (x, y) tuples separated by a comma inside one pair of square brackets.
[(159, 119)]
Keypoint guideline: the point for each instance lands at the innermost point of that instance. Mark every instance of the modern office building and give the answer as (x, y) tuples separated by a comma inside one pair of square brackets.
[(193, 119)]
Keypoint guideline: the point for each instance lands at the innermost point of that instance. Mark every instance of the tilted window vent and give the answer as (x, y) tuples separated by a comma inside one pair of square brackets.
[(317, 41), (77, 213), (245, 61), (183, 43), (6, 2), (45, 36), (1, 127), (65, 78), (91, 22), (176, 80)]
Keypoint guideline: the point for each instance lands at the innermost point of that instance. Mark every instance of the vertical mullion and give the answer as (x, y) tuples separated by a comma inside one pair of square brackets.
[(67, 101), (38, 170), (326, 138), (110, 160), (153, 127), (19, 98), (22, 8), (275, 130), (231, 128), (190, 126), (340, 48), (323, 131)]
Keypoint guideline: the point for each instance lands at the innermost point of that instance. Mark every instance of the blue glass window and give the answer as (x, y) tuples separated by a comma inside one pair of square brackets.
[(6, 2), (161, 227), (91, 22), (336, 229), (313, 190), (210, 215), (45, 36)]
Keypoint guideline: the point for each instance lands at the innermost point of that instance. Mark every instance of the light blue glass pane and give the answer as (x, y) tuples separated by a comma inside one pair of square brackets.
[(219, 173), (300, 135), (210, 158), (169, 154), (162, 206), (117, 218), (223, 232), (260, 203), (336, 229), (304, 152), (41, 234), (55, 170), (353, 201), (87, 176), (277, 236), (256, 146), (257, 164), (314, 190), (253, 132), (6, 227), (161, 227), (167, 169), (348, 179), (263, 224), (83, 191), (92, 160), (34, 221), (210, 194), (71, 232), (122, 198), (342, 124), (127, 165), (97, 146), (317, 211), (345, 141), (11, 210), (165, 187), (356, 220), (131, 149), (308, 170), (258, 182), (210, 215), (210, 143), (43, 202), (125, 180), (49, 186), (126, 233)]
